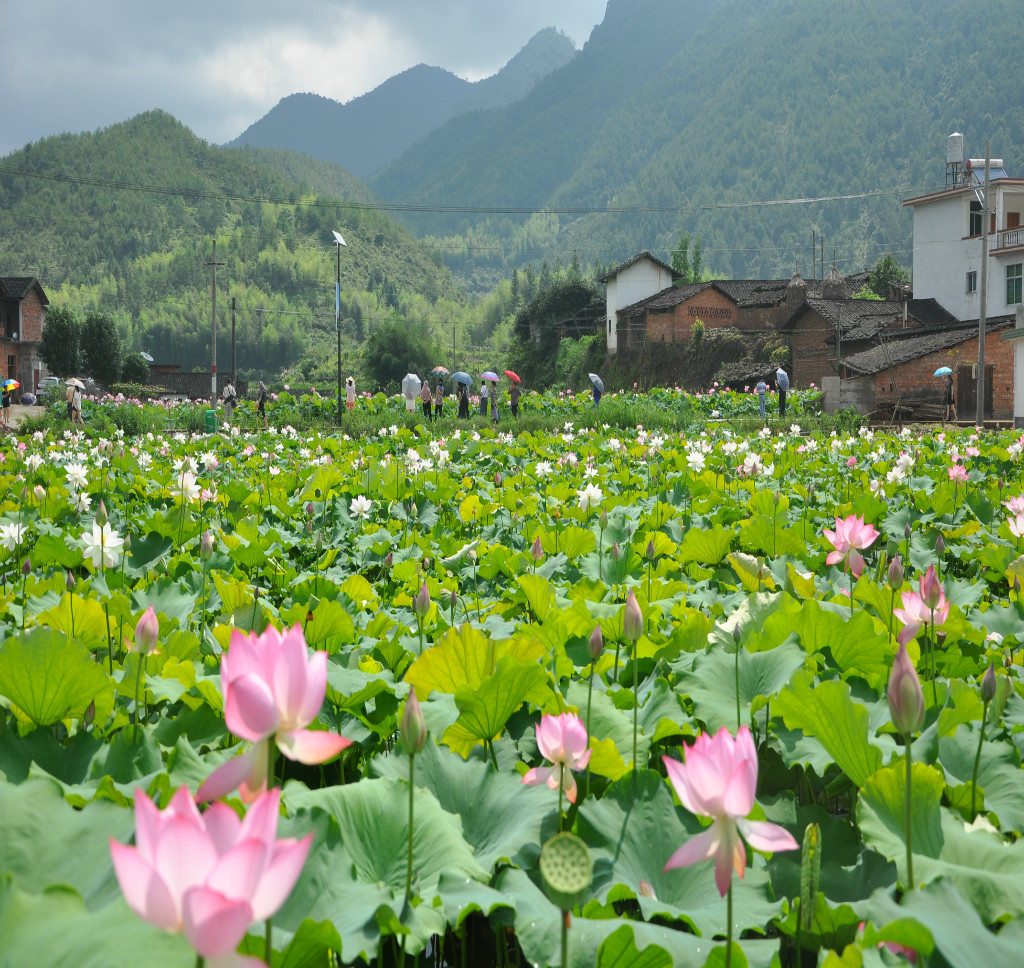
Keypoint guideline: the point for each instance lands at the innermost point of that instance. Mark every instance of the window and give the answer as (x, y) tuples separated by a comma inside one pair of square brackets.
[(974, 223), (1013, 285), (972, 281)]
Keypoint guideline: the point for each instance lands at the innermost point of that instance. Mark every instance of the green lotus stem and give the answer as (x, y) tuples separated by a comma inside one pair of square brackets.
[(110, 645), (138, 678), (933, 646), (908, 813), (590, 695), (728, 927), (636, 702), (561, 777), (200, 961), (736, 675), (408, 865), (977, 763), (565, 939), (494, 759)]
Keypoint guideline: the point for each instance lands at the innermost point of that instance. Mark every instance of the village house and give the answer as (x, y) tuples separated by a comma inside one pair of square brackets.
[(22, 317)]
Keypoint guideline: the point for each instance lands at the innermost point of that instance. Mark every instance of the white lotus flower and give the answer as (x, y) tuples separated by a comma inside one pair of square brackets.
[(103, 545), (77, 477), (12, 535), (590, 497), (360, 507)]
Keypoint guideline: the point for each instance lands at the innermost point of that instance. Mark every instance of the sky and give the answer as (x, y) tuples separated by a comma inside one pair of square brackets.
[(220, 65)]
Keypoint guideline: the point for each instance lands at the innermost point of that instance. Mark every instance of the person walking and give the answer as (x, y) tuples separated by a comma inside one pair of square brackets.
[(597, 394), (513, 399), (463, 393), (76, 407), (229, 396), (949, 399), (483, 398), (69, 396), (494, 403), (261, 404), (5, 402), (350, 393), (439, 399), (426, 398), (761, 389), (782, 379)]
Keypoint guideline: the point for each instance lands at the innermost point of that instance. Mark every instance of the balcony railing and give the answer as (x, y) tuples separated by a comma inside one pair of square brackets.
[(1010, 238)]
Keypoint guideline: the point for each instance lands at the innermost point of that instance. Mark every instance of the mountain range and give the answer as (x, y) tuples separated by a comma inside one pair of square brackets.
[(366, 133)]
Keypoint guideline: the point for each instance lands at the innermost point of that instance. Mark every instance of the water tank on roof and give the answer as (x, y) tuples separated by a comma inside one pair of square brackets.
[(955, 149)]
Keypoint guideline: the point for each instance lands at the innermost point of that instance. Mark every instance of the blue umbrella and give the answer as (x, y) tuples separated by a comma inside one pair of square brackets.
[(942, 371), (461, 377), (489, 375)]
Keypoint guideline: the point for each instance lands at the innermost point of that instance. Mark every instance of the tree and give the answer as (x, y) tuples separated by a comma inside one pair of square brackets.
[(395, 348), (60, 346), (135, 369), (689, 268), (101, 348), (887, 272)]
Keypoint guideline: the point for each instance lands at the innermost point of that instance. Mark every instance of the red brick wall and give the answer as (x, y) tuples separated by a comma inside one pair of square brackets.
[(916, 378), (32, 315), (716, 311), (812, 356)]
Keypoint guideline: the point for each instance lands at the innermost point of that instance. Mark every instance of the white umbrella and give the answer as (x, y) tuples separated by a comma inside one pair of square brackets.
[(411, 385)]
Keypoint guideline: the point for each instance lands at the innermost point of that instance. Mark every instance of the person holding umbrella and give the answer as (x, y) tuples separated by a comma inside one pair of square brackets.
[(597, 387), (483, 398), (8, 390), (462, 383), (513, 394), (76, 403), (948, 396), (492, 377)]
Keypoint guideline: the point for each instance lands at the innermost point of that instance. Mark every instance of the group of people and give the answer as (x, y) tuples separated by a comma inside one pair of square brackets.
[(782, 382), (432, 401), (229, 397)]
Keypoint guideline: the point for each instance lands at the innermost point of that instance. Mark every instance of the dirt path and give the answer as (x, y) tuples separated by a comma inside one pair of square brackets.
[(19, 413)]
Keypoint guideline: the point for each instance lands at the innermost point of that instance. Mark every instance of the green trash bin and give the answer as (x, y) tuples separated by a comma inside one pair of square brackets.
[(211, 421)]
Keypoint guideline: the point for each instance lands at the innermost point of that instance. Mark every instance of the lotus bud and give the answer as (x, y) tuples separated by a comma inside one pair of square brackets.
[(309, 509), (412, 731), (988, 684), (454, 598), (650, 550), (616, 551), (536, 552), (39, 492), (775, 499), (896, 574), (421, 601), (206, 544), (147, 632), (907, 531), (497, 480), (101, 514), (940, 546), (389, 559), (69, 582), (596, 644), (24, 494), (906, 699), (633, 618), (309, 526), (737, 634), (26, 566), (127, 541), (647, 890), (931, 588), (603, 520)]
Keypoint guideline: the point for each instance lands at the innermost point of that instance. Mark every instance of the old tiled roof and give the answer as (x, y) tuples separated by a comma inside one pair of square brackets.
[(894, 352), (633, 261), (865, 318), (18, 287), (665, 300)]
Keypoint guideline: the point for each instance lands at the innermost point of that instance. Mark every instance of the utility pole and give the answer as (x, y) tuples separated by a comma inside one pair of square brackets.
[(233, 376), (980, 415), (213, 322)]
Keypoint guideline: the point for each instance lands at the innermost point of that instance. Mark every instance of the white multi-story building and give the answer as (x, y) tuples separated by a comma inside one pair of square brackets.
[(948, 227)]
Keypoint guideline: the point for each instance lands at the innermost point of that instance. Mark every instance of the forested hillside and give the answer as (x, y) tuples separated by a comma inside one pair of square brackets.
[(122, 221), (368, 132), (678, 114)]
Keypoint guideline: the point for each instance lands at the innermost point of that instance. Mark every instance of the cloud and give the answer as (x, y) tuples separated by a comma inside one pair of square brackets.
[(219, 66)]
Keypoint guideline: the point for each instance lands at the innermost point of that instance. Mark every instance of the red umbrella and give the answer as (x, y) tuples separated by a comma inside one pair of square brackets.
[(512, 376)]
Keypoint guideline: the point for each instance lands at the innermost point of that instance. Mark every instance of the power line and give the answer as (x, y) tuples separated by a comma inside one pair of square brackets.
[(195, 193)]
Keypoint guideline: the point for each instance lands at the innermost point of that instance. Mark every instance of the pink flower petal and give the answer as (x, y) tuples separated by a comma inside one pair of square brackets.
[(280, 876), (222, 824), (184, 856), (237, 873), (696, 849), (769, 837), (311, 745), (316, 687), (249, 708), (539, 775), (143, 888), (289, 678), (246, 769), (214, 925)]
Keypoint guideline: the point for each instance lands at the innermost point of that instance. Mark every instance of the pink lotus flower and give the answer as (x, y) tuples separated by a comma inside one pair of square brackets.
[(927, 607), (957, 473), (851, 535), (273, 688), (208, 875), (718, 780), (562, 740)]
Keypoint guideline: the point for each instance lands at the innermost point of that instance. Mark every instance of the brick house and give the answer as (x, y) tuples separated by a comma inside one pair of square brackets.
[(22, 317), (635, 279), (902, 369)]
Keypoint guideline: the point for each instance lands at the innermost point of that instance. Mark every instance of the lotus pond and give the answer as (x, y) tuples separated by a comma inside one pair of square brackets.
[(475, 698)]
